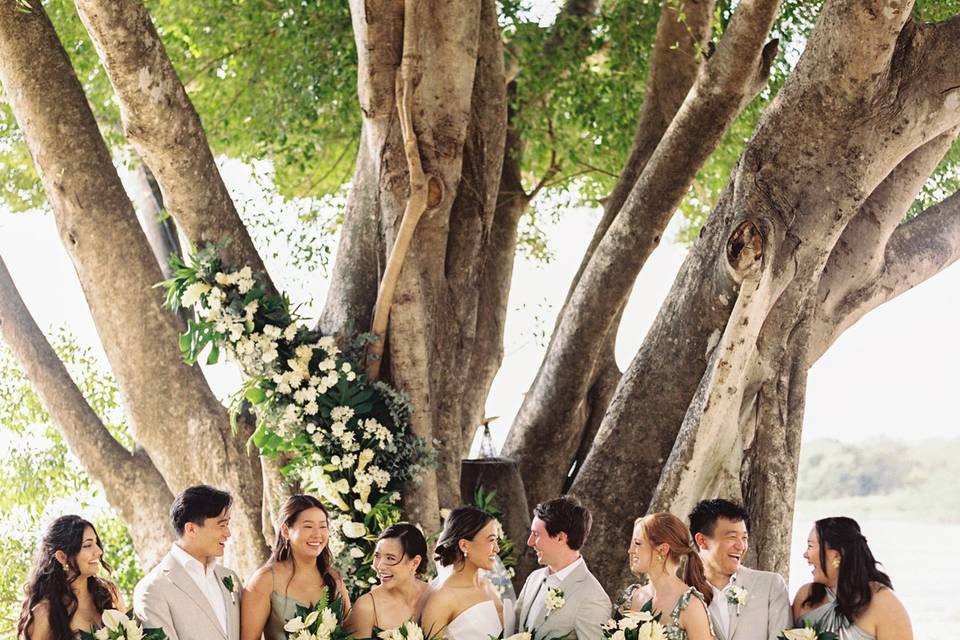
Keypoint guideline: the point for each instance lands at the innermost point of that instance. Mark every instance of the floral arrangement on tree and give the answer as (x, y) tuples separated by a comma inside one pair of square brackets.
[(634, 625), (349, 440), (122, 626), (322, 621), (807, 632)]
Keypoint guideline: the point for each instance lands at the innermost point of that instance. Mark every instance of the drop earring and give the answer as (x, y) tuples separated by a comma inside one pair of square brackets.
[(836, 563)]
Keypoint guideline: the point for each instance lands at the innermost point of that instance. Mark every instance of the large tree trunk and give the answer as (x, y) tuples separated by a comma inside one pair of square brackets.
[(130, 481), (170, 406)]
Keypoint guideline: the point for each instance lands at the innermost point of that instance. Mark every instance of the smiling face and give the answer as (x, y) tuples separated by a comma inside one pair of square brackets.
[(393, 567), (482, 550), (87, 559), (824, 575), (210, 539), (640, 551), (549, 549), (723, 551), (308, 534)]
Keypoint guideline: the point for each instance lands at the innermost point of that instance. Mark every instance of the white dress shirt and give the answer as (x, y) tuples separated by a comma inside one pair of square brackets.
[(720, 608), (206, 581), (552, 580)]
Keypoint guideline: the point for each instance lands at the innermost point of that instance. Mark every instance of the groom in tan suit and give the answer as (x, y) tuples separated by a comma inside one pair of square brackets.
[(188, 594), (563, 599), (747, 604)]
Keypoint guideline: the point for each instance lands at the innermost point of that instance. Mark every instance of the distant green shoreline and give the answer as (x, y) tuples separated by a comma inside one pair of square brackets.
[(887, 479)]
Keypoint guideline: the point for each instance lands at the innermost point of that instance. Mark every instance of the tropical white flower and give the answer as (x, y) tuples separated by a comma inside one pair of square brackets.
[(133, 629), (290, 332), (193, 293), (354, 529), (356, 552), (365, 458), (318, 439), (337, 429), (651, 630), (327, 343), (244, 280), (736, 595), (343, 485), (524, 635), (102, 634), (112, 619), (806, 633), (269, 355), (250, 309), (345, 367), (348, 461), (294, 624), (351, 376), (311, 409), (618, 635)]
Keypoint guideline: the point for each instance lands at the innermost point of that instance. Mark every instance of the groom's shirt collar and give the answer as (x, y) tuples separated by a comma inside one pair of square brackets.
[(566, 571), (190, 564)]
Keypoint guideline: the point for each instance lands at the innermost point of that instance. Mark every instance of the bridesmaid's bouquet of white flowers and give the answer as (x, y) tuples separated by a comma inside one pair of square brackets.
[(322, 621), (409, 630), (122, 626), (807, 632), (634, 625)]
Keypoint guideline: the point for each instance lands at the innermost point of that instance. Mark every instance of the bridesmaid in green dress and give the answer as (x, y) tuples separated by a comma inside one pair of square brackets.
[(400, 560), (660, 542), (299, 570), (849, 595)]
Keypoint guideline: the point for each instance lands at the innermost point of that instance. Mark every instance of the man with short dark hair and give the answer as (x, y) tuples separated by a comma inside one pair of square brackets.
[(563, 598), (747, 604), (188, 594)]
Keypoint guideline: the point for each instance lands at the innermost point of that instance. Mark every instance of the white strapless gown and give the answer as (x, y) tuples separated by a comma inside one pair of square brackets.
[(478, 622)]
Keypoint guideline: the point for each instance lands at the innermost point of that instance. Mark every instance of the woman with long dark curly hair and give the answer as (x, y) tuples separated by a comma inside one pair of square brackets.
[(849, 595), (299, 570), (64, 593)]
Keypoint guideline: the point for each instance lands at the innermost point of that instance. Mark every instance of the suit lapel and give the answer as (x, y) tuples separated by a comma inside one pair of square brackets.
[(180, 579), (529, 594), (231, 601), (743, 580), (569, 586)]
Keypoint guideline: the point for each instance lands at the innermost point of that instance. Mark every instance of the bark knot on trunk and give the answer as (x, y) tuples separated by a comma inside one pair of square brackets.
[(744, 250)]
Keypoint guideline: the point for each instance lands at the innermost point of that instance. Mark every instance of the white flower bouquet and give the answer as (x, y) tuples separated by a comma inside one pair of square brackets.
[(322, 621), (807, 632), (634, 625), (409, 630), (122, 626)]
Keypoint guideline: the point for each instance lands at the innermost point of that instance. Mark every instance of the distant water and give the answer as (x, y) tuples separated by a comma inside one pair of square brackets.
[(919, 557)]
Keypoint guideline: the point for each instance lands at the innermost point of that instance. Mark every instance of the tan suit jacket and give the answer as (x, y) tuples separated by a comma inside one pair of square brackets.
[(586, 607), (168, 597), (767, 610)]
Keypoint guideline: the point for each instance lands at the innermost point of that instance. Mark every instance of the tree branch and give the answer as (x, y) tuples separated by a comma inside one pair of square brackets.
[(130, 481), (161, 122), (858, 258), (424, 190), (729, 79)]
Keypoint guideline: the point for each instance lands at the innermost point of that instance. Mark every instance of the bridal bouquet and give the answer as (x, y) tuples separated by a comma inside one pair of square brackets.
[(409, 630), (122, 626), (634, 625), (807, 632), (319, 622)]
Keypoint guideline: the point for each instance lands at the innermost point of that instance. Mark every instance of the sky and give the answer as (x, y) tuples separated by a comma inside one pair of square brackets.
[(893, 374)]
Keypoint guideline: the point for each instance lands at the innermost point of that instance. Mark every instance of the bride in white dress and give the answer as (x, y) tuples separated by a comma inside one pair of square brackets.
[(463, 605)]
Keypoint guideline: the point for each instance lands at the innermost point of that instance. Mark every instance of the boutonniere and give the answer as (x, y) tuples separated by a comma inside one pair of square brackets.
[(736, 595), (554, 599), (231, 586)]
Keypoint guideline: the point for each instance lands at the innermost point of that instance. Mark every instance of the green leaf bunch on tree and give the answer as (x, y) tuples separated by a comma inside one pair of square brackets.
[(41, 479)]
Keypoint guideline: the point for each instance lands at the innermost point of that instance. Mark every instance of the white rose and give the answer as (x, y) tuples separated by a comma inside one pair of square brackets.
[(354, 529), (351, 376)]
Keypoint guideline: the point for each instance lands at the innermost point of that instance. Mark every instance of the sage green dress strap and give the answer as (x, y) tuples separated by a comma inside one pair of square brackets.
[(826, 617), (282, 610), (671, 626)]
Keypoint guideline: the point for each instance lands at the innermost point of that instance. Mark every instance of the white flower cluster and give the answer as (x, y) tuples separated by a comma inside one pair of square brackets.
[(299, 629), (114, 621), (407, 631), (640, 621)]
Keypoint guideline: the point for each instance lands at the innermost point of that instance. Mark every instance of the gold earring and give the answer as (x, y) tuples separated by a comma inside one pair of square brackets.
[(659, 557), (836, 563), (66, 567)]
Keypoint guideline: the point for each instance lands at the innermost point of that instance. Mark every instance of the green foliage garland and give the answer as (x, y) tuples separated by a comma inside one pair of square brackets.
[(349, 439)]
